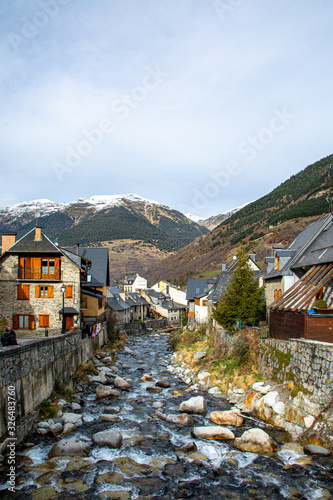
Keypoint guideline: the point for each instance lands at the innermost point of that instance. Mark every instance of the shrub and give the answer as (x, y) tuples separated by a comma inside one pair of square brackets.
[(321, 304)]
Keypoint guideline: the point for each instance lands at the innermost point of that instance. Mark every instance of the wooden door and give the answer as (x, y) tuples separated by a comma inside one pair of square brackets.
[(69, 322)]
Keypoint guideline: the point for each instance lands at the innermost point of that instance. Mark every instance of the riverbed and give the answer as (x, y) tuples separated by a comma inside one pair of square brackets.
[(159, 459)]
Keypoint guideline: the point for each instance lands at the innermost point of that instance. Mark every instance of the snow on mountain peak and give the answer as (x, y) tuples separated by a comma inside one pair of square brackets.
[(103, 201)]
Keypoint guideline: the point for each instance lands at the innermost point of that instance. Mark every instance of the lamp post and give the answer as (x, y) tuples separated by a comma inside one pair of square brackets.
[(63, 290)]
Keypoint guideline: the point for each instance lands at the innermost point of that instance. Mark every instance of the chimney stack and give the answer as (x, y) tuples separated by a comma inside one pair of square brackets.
[(77, 248), (38, 233), (8, 240), (224, 268), (253, 256)]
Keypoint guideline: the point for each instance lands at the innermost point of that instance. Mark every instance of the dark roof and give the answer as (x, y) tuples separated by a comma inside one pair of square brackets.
[(27, 244), (117, 304), (153, 293), (222, 282), (136, 298), (198, 286), (320, 251), (92, 292), (99, 258), (170, 305), (69, 310)]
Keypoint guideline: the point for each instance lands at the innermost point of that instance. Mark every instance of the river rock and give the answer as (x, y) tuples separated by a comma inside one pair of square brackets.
[(312, 449), (72, 418), (132, 468), (121, 383), (260, 387), (212, 432), (68, 428), (150, 388), (112, 438), (115, 494), (190, 447), (162, 383), (56, 428), (72, 484), (69, 447), (196, 405), (105, 392), (44, 493), (179, 420), (255, 441), (146, 378), (78, 464), (111, 478), (109, 410), (271, 398), (107, 359), (43, 425), (293, 448), (109, 418), (231, 417), (157, 404), (76, 407)]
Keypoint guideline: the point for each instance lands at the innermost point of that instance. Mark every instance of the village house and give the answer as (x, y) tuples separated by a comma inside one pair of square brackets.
[(120, 308), (197, 291), (134, 283), (40, 284), (163, 306), (175, 293), (305, 309), (94, 290)]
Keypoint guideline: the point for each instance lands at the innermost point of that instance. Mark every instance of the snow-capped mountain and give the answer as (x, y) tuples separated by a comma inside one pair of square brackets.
[(215, 220)]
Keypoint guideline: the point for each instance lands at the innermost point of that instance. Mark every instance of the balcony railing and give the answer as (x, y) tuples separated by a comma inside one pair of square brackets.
[(37, 274)]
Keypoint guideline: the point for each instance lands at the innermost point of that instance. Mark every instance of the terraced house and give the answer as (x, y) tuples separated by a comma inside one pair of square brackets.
[(40, 284)]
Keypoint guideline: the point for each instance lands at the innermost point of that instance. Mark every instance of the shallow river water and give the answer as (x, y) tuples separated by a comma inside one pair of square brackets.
[(150, 464)]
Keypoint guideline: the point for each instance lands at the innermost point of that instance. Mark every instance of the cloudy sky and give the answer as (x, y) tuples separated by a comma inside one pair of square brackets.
[(202, 105)]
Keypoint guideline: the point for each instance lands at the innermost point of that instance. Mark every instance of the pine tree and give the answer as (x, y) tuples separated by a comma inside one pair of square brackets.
[(242, 299)]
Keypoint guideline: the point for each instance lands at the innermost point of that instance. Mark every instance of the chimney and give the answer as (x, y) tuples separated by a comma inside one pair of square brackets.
[(38, 233), (224, 268), (252, 256), (77, 248), (8, 240)]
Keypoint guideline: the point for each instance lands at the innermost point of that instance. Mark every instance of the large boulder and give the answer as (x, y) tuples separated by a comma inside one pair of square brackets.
[(72, 418), (69, 447), (255, 441), (212, 432), (105, 392), (121, 383), (196, 405), (313, 449), (112, 438), (231, 417)]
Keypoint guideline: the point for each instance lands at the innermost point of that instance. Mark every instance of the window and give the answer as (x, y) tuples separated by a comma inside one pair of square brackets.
[(205, 303), (100, 303), (48, 266), (69, 292), (277, 294), (23, 292), (44, 292), (23, 321), (44, 321)]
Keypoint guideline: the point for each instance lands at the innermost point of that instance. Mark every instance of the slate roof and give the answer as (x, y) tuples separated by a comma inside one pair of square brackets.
[(136, 298), (198, 286), (92, 292), (117, 305), (27, 244), (99, 258), (69, 310), (170, 305)]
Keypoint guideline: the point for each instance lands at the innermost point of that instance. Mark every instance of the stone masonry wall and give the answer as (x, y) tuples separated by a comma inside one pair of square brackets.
[(70, 275), (35, 368), (308, 363)]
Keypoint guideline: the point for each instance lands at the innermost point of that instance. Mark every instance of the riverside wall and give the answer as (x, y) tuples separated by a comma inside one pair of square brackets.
[(34, 369), (308, 363)]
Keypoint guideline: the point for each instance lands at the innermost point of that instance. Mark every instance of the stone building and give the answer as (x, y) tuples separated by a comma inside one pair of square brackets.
[(39, 284)]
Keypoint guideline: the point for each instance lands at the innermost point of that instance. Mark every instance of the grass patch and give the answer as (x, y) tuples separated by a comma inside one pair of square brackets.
[(83, 370), (48, 409)]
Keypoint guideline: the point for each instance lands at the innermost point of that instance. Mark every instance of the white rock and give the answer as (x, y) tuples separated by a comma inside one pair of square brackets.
[(43, 425), (271, 398), (203, 374), (76, 407), (308, 421), (212, 432), (69, 447), (215, 391), (194, 405), (112, 438), (279, 408), (72, 418), (42, 431)]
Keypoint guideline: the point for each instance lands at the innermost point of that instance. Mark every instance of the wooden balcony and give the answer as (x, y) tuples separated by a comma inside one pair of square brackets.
[(37, 274)]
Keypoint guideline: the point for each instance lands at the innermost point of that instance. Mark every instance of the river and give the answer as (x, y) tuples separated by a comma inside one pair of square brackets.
[(151, 464)]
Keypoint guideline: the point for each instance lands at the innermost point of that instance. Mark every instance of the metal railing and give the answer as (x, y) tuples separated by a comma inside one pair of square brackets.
[(37, 274)]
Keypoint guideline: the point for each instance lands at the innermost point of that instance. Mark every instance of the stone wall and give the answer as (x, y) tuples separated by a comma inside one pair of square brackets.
[(35, 368), (305, 362)]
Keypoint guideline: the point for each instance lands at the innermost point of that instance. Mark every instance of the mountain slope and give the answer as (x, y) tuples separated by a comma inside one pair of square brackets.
[(104, 218), (274, 218)]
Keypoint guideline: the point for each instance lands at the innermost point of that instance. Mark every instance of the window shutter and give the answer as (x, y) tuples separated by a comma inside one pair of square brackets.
[(41, 320), (44, 321), (15, 321), (57, 268), (26, 292), (37, 267), (37, 291), (69, 291), (31, 322), (19, 292), (50, 292)]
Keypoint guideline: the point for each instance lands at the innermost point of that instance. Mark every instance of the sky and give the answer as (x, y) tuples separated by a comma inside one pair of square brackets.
[(202, 105)]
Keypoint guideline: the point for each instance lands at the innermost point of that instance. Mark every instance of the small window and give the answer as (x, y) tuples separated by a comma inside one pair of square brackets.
[(205, 302), (23, 321), (44, 291)]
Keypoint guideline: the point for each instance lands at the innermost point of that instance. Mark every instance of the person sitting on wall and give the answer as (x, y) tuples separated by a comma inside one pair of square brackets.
[(9, 337)]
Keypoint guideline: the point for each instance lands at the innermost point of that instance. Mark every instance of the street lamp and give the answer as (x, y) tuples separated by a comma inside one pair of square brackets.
[(63, 290)]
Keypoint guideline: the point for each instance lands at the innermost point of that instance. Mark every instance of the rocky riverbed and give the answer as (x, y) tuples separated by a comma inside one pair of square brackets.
[(137, 431)]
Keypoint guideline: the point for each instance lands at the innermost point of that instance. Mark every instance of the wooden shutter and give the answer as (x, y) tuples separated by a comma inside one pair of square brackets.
[(44, 321), (37, 291), (50, 292), (15, 321), (31, 322), (69, 292), (37, 267), (57, 268), (23, 292)]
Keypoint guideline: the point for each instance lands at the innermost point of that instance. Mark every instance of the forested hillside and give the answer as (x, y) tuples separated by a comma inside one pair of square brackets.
[(274, 218)]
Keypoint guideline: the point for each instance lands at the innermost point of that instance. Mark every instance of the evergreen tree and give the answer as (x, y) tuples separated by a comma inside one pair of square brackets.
[(242, 299)]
